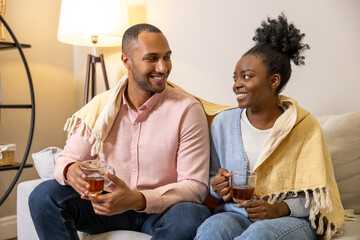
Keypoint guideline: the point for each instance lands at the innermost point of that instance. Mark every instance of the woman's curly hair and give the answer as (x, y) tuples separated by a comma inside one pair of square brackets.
[(278, 42)]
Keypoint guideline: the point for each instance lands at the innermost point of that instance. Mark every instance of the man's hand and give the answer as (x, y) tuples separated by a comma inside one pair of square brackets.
[(120, 200), (220, 184), (76, 179), (260, 209)]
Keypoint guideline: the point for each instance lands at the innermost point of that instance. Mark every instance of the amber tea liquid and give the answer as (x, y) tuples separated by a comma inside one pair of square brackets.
[(242, 193), (96, 185)]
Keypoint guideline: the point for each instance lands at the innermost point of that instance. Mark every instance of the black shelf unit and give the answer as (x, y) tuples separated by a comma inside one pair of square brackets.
[(10, 45), (15, 105), (19, 166), (16, 166)]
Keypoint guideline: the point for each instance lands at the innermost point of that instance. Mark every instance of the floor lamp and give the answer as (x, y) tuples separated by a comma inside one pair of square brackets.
[(93, 23), (91, 73)]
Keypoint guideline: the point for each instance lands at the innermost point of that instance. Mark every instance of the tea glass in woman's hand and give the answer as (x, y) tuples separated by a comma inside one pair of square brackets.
[(242, 185)]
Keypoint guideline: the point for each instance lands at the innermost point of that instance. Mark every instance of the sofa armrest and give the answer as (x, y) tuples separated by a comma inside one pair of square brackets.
[(25, 226)]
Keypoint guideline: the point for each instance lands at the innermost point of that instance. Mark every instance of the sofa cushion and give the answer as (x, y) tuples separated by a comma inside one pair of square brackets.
[(342, 136), (44, 162)]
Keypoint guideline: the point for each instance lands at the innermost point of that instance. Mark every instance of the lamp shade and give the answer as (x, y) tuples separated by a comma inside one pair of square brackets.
[(82, 19)]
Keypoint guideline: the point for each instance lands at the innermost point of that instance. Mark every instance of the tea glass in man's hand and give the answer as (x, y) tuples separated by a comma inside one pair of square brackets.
[(95, 175), (242, 185)]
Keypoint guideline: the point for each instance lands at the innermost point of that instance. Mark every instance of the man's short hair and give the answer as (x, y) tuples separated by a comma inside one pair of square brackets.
[(132, 34)]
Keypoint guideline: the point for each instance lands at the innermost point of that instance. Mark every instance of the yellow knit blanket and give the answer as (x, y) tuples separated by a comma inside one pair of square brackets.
[(295, 160)]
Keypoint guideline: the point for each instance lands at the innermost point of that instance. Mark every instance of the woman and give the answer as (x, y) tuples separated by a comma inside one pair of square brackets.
[(296, 193)]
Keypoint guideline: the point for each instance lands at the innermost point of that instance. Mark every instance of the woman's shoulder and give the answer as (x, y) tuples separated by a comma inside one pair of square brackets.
[(226, 118), (227, 114)]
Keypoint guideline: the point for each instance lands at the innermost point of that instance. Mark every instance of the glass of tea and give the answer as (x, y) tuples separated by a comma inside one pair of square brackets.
[(95, 175), (243, 185)]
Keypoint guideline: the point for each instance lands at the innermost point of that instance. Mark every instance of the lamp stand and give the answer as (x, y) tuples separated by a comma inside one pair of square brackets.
[(90, 70)]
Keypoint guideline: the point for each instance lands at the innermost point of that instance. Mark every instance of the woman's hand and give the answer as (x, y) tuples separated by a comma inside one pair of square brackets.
[(220, 184), (260, 209)]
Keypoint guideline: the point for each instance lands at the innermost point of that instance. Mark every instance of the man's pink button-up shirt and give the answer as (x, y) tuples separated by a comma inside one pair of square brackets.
[(161, 150)]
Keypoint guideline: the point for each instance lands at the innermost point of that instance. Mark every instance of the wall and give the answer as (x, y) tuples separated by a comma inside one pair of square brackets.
[(51, 65), (209, 36)]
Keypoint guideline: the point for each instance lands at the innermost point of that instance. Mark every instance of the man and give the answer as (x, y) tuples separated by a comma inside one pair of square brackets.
[(156, 138)]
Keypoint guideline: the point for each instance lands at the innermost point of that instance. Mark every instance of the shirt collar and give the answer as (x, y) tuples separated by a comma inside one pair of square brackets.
[(149, 104)]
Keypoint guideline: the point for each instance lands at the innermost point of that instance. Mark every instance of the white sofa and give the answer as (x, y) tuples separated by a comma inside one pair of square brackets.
[(342, 134)]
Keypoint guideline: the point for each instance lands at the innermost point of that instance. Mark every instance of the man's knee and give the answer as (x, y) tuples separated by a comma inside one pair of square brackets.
[(39, 199), (40, 194), (49, 192)]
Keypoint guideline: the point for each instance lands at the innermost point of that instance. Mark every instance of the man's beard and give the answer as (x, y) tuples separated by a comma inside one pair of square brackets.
[(145, 84)]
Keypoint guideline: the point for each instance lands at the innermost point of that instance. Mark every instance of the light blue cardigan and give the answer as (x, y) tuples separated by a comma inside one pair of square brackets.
[(227, 151)]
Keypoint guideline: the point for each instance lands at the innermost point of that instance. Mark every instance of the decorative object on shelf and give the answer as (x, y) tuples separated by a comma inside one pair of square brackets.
[(2, 13), (7, 154), (93, 23)]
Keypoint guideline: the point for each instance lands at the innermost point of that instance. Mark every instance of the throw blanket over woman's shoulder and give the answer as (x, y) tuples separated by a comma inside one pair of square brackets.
[(297, 160)]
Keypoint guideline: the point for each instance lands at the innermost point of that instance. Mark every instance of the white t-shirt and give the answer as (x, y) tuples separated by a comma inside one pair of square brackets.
[(252, 138)]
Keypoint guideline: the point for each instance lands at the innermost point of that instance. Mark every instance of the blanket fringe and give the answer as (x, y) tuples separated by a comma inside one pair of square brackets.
[(67, 124), (274, 199), (97, 147), (82, 130), (320, 229), (328, 231), (283, 196), (86, 131), (307, 198), (73, 125), (334, 230), (320, 200), (349, 215), (316, 199), (70, 128), (312, 218), (92, 139), (328, 201), (70, 125)]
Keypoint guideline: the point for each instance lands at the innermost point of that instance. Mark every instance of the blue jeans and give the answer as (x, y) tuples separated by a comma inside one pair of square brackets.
[(58, 212), (234, 226)]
